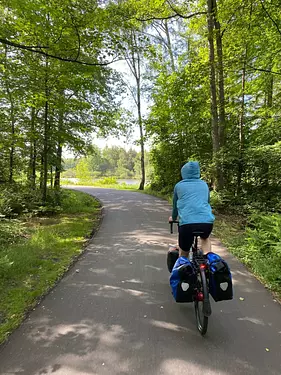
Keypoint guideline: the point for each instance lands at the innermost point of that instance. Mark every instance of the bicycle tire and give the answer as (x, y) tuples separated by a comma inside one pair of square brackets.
[(201, 318)]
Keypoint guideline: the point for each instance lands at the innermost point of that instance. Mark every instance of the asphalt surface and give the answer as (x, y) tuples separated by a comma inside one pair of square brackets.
[(116, 316)]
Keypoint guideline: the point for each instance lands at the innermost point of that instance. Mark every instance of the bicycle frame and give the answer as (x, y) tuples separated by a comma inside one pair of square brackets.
[(201, 294)]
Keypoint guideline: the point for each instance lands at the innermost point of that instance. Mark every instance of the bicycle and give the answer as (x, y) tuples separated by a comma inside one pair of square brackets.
[(201, 298)]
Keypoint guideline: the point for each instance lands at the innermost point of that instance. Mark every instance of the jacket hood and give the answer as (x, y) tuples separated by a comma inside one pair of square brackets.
[(191, 170)]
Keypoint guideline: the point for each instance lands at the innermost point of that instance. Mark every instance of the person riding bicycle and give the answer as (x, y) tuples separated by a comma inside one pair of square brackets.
[(191, 203)]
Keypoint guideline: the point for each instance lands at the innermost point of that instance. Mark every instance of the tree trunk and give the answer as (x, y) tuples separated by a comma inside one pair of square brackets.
[(241, 161), (12, 148), (32, 151), (34, 164), (59, 152), (138, 80), (213, 91), (51, 176), (220, 68), (41, 172), (270, 91), (58, 167), (141, 187), (134, 63), (45, 153), (241, 130), (180, 138), (220, 76), (269, 103), (169, 46), (12, 119)]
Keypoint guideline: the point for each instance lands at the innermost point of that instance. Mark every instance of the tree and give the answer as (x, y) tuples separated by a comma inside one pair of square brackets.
[(133, 57), (211, 71), (47, 103), (83, 172)]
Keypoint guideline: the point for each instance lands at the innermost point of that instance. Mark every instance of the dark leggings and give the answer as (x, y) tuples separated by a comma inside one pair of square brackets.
[(186, 233)]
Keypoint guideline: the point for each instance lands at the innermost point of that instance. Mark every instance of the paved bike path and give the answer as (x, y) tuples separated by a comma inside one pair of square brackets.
[(116, 316)]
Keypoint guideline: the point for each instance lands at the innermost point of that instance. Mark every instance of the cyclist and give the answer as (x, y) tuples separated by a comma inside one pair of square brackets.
[(191, 203)]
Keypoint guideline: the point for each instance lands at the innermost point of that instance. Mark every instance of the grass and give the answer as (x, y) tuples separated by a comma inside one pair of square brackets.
[(36, 252), (148, 190), (237, 238), (230, 229), (106, 183)]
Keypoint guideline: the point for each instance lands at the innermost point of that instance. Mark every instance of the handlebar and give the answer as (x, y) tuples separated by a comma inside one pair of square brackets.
[(171, 225)]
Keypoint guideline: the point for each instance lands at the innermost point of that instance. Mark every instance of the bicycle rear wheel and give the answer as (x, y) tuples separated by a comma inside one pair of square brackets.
[(202, 307)]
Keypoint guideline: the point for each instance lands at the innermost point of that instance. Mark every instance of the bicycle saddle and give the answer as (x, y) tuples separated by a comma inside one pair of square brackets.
[(197, 233)]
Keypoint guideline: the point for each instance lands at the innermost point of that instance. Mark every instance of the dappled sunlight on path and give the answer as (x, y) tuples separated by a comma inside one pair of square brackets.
[(116, 316)]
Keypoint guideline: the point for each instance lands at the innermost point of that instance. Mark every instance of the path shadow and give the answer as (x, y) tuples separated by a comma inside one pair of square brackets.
[(117, 316)]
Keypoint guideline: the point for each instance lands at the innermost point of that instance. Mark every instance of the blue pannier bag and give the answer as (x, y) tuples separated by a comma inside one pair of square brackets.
[(182, 280), (220, 279)]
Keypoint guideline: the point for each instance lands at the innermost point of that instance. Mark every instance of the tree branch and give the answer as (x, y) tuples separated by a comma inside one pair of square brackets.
[(129, 87), (181, 15), (270, 17), (156, 18), (170, 17), (160, 25), (130, 65), (230, 19), (78, 37), (60, 36), (41, 52), (159, 38), (263, 70)]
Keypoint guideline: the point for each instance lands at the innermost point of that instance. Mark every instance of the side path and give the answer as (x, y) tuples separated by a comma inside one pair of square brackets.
[(116, 316)]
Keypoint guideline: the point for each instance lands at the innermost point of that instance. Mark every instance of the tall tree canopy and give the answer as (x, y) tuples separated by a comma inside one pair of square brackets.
[(217, 97), (56, 86), (211, 73)]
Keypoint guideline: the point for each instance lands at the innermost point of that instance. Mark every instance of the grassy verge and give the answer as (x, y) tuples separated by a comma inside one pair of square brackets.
[(106, 183), (253, 247), (231, 232), (257, 246), (148, 190), (36, 252)]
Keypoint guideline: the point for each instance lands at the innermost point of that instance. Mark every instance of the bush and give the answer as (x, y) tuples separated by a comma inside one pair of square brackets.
[(70, 173), (222, 201), (264, 234), (107, 181), (227, 203), (74, 202), (10, 231), (17, 199), (262, 250)]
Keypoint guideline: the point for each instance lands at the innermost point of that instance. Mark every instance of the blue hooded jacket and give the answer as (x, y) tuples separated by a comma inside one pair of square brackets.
[(191, 197)]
